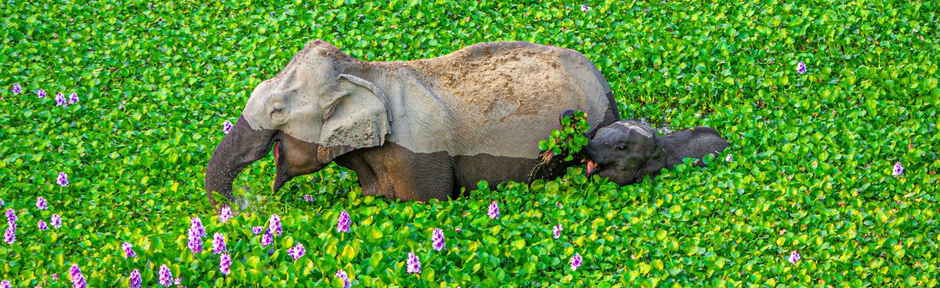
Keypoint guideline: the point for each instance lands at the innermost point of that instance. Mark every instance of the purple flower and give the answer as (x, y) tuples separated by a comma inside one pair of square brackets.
[(226, 127), (225, 263), (128, 250), (266, 239), (59, 99), (78, 280), (493, 211), (41, 93), (801, 67), (274, 225), (414, 264), (218, 243), (5, 283), (10, 235), (166, 278), (178, 281), (135, 281), (195, 234), (342, 225), (42, 225), (729, 158), (898, 169), (575, 261), (11, 216), (73, 98), (308, 198), (195, 242), (297, 251), (41, 203), (437, 239), (16, 89), (56, 221), (55, 277), (225, 214), (794, 257), (195, 225), (62, 179), (585, 8), (257, 230), (1, 202), (556, 231), (342, 276)]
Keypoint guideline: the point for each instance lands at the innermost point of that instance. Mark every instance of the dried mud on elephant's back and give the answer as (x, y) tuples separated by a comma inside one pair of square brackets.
[(497, 80)]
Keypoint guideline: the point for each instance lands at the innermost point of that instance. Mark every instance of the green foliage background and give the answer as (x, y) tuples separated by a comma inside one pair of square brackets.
[(810, 171)]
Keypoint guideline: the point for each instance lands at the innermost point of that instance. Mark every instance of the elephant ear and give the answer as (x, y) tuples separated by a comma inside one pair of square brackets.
[(355, 118)]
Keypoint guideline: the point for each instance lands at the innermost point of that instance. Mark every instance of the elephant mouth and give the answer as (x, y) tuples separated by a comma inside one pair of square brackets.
[(593, 167)]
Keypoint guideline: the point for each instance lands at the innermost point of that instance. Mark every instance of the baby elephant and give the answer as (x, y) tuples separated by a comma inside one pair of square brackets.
[(626, 151)]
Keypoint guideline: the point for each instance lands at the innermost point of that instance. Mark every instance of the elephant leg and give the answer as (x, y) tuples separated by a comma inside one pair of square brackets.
[(365, 175), (398, 173)]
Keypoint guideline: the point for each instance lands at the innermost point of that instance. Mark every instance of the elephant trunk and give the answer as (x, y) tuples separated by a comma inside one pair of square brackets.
[(242, 146)]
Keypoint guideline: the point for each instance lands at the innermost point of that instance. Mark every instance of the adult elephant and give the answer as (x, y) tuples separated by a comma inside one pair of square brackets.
[(412, 130)]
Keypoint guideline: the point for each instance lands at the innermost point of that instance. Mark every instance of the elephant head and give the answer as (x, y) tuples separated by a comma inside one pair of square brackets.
[(627, 151), (314, 110)]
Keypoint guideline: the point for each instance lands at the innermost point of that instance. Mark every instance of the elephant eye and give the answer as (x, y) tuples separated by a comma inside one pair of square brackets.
[(622, 146)]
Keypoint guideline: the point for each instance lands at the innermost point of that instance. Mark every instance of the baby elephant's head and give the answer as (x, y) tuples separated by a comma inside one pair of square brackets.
[(626, 151)]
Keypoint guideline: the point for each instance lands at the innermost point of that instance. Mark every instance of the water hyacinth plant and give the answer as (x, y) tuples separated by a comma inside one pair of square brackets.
[(225, 214), (266, 239), (413, 264), (73, 98), (41, 93), (437, 239), (56, 221), (62, 179), (156, 78), (342, 223), (60, 99), (274, 225), (556, 231), (134, 280), (794, 257), (128, 250), (297, 251), (42, 225), (225, 263), (218, 243), (77, 278), (10, 235), (898, 169), (801, 67), (227, 127), (493, 210), (575, 261), (11, 216), (343, 277), (16, 89), (41, 203), (166, 277)]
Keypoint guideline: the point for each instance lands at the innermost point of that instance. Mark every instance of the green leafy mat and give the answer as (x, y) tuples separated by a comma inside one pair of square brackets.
[(811, 169)]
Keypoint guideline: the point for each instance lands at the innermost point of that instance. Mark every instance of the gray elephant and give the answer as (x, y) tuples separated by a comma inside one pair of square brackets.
[(412, 130), (627, 151)]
